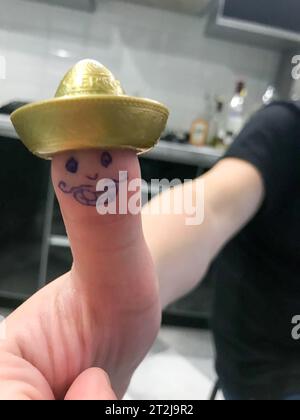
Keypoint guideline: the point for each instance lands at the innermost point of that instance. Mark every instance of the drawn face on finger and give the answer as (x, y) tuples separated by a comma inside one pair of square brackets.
[(82, 172)]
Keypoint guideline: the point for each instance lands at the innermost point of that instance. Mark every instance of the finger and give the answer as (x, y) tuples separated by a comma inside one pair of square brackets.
[(19, 380), (76, 175), (75, 178), (100, 243), (93, 384)]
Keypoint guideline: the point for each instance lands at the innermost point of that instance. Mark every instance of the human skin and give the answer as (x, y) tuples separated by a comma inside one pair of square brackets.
[(83, 335), (233, 193)]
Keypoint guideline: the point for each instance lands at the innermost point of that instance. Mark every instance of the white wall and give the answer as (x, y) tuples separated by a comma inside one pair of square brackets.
[(157, 54)]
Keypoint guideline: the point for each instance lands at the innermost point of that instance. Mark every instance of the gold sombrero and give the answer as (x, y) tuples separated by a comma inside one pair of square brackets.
[(90, 110)]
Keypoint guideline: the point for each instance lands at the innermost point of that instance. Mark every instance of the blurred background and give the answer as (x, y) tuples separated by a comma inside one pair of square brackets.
[(213, 63)]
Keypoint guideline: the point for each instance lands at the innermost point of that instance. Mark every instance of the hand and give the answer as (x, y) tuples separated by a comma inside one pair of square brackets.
[(83, 336)]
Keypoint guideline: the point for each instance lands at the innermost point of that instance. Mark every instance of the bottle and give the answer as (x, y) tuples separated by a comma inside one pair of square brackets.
[(200, 127), (199, 132), (235, 120), (216, 131), (269, 96)]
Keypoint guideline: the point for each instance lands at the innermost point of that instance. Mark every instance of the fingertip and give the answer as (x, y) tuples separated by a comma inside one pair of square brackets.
[(93, 384)]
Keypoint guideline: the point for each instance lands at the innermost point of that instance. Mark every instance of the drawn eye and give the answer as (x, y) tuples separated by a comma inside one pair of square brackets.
[(106, 159), (72, 166)]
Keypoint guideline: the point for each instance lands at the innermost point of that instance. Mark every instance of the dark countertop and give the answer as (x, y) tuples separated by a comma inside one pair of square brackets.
[(205, 157)]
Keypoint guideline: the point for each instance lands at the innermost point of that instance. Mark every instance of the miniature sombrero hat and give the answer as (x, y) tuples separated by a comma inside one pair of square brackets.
[(90, 110)]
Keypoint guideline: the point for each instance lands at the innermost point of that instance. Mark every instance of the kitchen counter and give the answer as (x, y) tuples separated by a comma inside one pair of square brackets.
[(6, 127), (204, 157)]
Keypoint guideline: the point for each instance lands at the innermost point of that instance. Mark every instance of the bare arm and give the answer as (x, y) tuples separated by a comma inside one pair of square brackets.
[(233, 193)]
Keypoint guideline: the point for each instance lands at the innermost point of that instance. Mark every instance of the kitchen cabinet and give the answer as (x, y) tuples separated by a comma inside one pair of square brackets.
[(270, 23), (24, 180)]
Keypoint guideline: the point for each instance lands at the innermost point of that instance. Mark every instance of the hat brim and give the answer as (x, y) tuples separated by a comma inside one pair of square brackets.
[(86, 122)]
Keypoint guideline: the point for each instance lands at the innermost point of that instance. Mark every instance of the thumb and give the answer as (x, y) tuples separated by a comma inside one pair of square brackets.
[(92, 235), (91, 385)]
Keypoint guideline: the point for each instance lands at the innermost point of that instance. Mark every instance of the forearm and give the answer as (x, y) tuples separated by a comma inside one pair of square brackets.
[(232, 194), (181, 252)]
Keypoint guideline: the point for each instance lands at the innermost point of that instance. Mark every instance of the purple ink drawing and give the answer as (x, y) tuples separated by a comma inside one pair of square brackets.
[(106, 159)]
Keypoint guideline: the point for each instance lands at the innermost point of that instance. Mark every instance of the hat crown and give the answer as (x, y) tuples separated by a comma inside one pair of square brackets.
[(88, 77)]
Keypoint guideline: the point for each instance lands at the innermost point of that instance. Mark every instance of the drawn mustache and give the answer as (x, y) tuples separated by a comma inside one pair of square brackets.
[(85, 194)]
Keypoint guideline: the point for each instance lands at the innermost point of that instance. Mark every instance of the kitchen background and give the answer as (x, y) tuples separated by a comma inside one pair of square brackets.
[(168, 50), (160, 54)]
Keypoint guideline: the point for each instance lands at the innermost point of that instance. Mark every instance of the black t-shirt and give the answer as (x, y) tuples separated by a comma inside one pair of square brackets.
[(258, 273)]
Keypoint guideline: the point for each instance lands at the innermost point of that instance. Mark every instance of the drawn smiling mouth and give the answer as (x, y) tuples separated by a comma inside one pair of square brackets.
[(86, 194), (92, 178)]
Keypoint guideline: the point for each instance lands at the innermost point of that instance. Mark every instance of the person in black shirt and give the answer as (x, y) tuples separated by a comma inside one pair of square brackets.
[(251, 237)]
